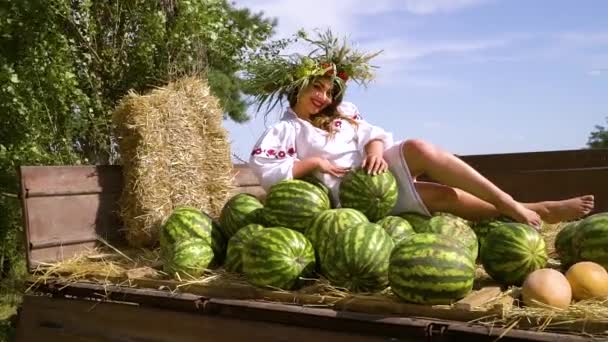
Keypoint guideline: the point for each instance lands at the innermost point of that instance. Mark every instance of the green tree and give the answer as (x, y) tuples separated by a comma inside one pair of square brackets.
[(599, 137), (64, 64)]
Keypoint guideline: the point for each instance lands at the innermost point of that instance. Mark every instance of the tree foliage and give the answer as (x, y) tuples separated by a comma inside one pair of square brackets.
[(64, 64), (599, 137)]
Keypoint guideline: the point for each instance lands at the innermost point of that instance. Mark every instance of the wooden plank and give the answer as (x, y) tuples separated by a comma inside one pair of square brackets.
[(543, 160), (101, 321), (256, 191), (66, 218), (62, 180), (57, 225), (326, 318), (244, 176), (384, 307), (478, 298), (532, 186), (396, 327)]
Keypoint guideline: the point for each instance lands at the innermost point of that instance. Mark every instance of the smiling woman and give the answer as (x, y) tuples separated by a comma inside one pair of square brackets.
[(327, 138)]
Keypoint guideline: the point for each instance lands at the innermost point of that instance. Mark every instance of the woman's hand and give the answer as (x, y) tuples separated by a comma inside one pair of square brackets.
[(374, 164), (326, 166)]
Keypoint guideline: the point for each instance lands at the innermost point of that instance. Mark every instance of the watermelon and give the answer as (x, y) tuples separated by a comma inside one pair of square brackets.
[(218, 244), (294, 204), (564, 244), (511, 251), (358, 257), (455, 227), (375, 196), (188, 257), (234, 253), (428, 268), (418, 221), (315, 181), (397, 227), (239, 211), (483, 227), (188, 222), (185, 223), (278, 257), (590, 241), (328, 224)]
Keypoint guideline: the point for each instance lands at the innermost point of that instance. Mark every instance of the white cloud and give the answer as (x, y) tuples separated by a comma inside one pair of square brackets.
[(399, 50), (345, 15), (425, 7)]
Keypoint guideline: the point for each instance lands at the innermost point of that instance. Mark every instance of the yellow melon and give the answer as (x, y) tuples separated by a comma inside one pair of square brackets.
[(546, 287), (588, 280)]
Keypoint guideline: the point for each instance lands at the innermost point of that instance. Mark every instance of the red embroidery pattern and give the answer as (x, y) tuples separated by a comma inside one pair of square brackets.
[(274, 153)]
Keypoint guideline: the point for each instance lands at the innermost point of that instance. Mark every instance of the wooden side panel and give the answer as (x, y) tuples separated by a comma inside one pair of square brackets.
[(244, 176), (545, 160), (82, 217), (69, 206), (54, 319), (542, 185), (64, 180)]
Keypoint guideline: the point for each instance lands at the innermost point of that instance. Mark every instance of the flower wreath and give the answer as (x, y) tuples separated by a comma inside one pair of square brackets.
[(269, 76)]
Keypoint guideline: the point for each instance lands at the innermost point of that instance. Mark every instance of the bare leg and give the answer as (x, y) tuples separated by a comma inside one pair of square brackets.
[(443, 198), (447, 169), (438, 197)]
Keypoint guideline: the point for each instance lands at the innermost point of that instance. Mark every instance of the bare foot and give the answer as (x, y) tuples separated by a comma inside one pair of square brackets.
[(565, 210), (521, 213)]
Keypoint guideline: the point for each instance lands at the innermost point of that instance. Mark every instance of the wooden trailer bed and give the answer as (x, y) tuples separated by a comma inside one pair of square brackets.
[(67, 209)]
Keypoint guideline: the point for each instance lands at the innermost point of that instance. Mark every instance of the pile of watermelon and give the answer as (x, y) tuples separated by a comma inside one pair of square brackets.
[(190, 242), (297, 233)]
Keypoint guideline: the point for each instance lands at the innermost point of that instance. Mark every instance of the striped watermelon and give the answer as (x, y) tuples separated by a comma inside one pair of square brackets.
[(188, 257), (428, 268), (278, 257), (218, 244), (188, 222), (315, 181), (564, 245), (511, 251), (358, 257), (418, 221), (234, 254), (239, 211), (483, 227), (397, 227), (455, 227), (375, 196), (590, 242), (185, 223), (328, 224), (294, 204)]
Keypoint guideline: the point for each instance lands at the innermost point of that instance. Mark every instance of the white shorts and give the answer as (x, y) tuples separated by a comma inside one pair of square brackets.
[(408, 200)]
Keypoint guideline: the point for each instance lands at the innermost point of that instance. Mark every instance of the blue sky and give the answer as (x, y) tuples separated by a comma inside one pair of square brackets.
[(472, 76)]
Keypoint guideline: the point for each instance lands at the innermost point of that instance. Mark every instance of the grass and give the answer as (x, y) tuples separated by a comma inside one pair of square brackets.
[(11, 289)]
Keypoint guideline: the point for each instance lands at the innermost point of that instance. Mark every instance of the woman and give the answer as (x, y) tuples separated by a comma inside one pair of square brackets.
[(322, 136)]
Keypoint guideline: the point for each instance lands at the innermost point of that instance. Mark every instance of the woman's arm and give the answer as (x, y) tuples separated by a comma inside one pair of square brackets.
[(303, 167)]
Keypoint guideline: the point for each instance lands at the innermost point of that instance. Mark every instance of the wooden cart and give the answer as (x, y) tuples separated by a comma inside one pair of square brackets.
[(66, 209)]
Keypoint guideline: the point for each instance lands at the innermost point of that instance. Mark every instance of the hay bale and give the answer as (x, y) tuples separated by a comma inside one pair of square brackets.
[(174, 152)]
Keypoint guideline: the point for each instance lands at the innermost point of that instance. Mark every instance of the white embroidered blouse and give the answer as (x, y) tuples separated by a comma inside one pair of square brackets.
[(293, 139)]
